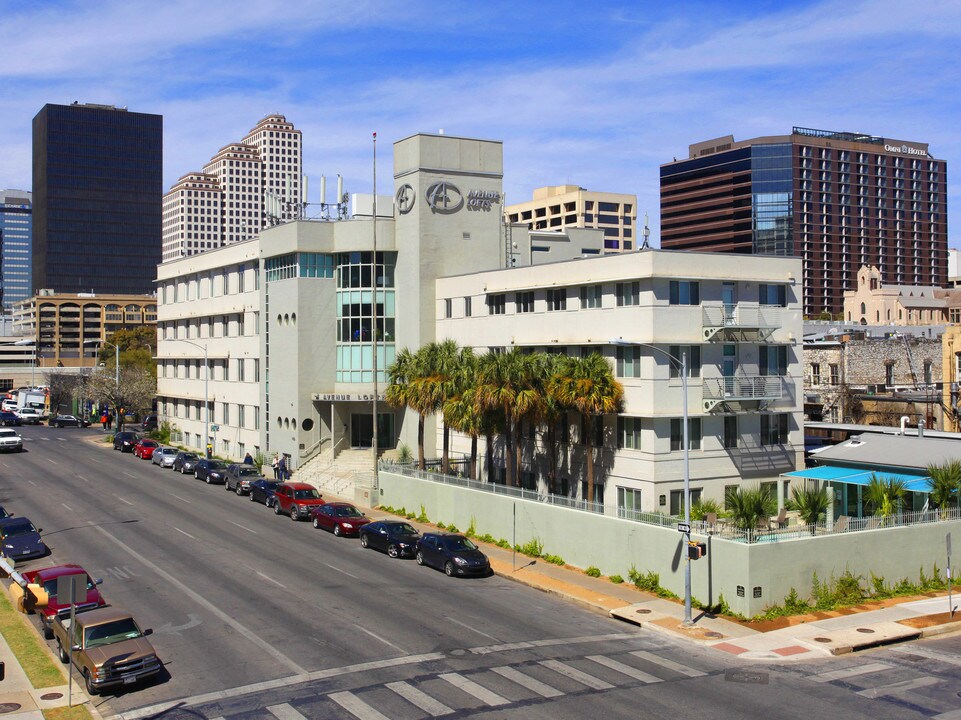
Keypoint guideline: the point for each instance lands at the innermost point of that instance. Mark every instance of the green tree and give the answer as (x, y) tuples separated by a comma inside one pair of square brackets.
[(587, 385), (811, 504), (885, 495), (135, 392), (944, 482), (460, 407), (438, 368), (403, 391), (748, 508), (137, 345), (554, 412)]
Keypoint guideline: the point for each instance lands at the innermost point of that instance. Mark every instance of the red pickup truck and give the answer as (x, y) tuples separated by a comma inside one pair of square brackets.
[(47, 579)]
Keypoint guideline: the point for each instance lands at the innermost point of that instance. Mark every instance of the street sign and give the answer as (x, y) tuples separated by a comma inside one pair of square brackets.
[(684, 527), (214, 428), (71, 589)]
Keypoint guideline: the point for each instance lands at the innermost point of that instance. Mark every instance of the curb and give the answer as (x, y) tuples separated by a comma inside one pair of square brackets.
[(935, 630), (586, 604)]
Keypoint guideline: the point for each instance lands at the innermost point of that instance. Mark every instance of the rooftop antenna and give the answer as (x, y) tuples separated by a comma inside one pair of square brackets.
[(646, 245)]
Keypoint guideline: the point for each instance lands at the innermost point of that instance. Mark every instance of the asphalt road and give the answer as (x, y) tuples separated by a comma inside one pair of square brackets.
[(255, 615)]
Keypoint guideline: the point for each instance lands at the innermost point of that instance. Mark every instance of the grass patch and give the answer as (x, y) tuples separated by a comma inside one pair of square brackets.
[(40, 668), (77, 712)]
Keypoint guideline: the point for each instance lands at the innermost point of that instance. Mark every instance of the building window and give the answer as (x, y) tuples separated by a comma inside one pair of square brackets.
[(628, 361), (448, 308), (677, 500), (772, 295), (590, 297), (685, 292), (496, 304), (773, 360), (524, 302), (835, 374), (628, 433), (467, 306), (556, 299), (628, 294), (628, 500), (927, 372), (954, 315), (774, 429), (596, 426), (693, 360), (225, 413), (677, 434), (815, 373), (889, 374), (730, 431)]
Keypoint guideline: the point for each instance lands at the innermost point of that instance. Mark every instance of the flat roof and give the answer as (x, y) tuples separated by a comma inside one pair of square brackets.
[(899, 451)]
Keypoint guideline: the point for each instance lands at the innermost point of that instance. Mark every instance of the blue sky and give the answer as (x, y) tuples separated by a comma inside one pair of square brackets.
[(595, 94)]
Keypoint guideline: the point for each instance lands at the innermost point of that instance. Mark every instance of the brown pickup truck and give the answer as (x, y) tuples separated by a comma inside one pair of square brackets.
[(109, 648)]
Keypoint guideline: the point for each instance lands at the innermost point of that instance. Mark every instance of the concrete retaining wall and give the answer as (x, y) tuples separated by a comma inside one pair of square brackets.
[(750, 577)]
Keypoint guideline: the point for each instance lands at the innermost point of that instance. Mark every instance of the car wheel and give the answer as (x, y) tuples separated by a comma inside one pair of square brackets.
[(337, 530), (393, 551), (47, 630), (294, 515), (449, 568), (277, 509), (364, 542), (226, 484), (252, 498), (267, 502), (88, 683), (62, 654), (420, 558), (316, 524), (238, 490)]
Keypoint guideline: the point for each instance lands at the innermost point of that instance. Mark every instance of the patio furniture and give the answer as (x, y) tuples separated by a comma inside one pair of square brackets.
[(842, 524), (710, 519), (779, 521)]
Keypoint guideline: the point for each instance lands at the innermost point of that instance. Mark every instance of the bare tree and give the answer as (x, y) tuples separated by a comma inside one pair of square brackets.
[(135, 392), (63, 387)]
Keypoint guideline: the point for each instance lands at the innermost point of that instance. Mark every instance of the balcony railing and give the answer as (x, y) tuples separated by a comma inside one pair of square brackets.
[(758, 320), (742, 389)]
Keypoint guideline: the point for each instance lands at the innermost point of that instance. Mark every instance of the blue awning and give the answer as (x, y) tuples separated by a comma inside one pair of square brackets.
[(859, 476)]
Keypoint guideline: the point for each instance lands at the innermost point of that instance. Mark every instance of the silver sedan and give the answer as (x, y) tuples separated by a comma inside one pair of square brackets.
[(164, 456)]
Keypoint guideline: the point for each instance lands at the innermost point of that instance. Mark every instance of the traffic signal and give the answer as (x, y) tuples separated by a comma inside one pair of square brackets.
[(696, 550)]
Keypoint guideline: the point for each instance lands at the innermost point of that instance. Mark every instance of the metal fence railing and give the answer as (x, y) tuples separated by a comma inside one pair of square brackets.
[(742, 316), (744, 387)]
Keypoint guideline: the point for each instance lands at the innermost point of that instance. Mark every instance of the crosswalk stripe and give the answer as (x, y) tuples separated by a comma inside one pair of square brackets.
[(849, 672), (532, 684), (669, 664), (574, 674), (421, 699), (285, 711), (898, 687), (949, 715), (356, 707), (624, 669), (486, 696), (932, 654)]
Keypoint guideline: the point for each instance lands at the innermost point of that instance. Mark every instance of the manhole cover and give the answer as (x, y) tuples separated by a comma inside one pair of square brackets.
[(823, 640), (712, 634), (866, 631), (51, 696), (9, 707), (642, 611), (747, 677)]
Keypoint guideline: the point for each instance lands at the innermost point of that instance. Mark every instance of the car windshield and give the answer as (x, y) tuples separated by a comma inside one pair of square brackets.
[(310, 494), (404, 529), (8, 433), (51, 586), (215, 465), (457, 544), (19, 529), (347, 512), (169, 451), (189, 456), (248, 472), (111, 632)]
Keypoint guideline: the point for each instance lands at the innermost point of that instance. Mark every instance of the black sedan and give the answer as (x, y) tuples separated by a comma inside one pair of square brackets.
[(125, 441), (454, 554), (395, 537), (61, 421), (185, 462), (262, 491), (9, 418), (21, 539), (212, 471)]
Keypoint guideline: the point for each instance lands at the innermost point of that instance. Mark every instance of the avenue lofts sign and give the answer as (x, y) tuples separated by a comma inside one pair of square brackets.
[(445, 198)]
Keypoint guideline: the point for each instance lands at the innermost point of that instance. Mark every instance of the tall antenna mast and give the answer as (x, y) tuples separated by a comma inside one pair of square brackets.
[(373, 330)]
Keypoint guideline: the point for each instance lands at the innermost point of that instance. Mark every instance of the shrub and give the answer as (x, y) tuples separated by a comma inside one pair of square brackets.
[(404, 455), (503, 543), (451, 528), (616, 579), (472, 528), (553, 559), (423, 515), (532, 548), (488, 538), (701, 508), (650, 582), (441, 525), (593, 571)]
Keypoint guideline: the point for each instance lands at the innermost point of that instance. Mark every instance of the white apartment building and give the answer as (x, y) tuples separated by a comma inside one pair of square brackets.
[(738, 319), (560, 207), (226, 202)]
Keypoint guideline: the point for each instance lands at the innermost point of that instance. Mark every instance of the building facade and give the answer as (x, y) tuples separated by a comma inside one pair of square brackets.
[(97, 189), (245, 187), (737, 319), (873, 302), (561, 207), (16, 231), (836, 200)]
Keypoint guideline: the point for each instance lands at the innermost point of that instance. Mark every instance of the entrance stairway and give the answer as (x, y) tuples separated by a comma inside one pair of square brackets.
[(338, 476)]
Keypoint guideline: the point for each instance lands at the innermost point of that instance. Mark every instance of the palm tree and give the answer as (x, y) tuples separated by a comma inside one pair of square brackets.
[(945, 484), (587, 385), (404, 390), (438, 363), (460, 408), (810, 504), (884, 495), (554, 411), (748, 507)]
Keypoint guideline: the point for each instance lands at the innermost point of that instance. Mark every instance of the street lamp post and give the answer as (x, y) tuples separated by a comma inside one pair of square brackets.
[(116, 367), (206, 390), (33, 367), (682, 364)]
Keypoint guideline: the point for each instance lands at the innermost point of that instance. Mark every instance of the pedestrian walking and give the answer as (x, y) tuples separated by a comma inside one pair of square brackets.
[(282, 468), (103, 420), (109, 420), (275, 464)]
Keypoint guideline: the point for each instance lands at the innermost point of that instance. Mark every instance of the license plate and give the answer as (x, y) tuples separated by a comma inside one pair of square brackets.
[(129, 680)]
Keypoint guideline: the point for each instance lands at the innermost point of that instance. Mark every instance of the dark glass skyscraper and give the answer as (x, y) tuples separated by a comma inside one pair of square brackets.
[(97, 195), (16, 222)]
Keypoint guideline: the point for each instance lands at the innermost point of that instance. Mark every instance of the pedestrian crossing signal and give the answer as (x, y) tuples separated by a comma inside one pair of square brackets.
[(696, 550)]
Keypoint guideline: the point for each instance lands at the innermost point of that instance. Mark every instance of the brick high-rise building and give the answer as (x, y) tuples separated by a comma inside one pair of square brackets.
[(837, 200)]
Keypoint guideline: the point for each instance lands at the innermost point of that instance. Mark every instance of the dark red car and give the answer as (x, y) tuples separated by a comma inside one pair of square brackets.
[(144, 449), (340, 518), (296, 500), (47, 579)]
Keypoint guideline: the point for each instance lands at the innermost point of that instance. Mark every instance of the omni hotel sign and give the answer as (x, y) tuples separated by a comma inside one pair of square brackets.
[(445, 198), (905, 150)]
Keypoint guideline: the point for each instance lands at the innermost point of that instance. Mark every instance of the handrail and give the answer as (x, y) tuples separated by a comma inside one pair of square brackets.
[(742, 315), (309, 452), (744, 387)]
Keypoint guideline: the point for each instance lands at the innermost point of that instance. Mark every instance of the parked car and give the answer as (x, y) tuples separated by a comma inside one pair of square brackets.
[(125, 441), (4, 513), (144, 449), (149, 423), (10, 440), (164, 456), (8, 417), (20, 539), (61, 421), (185, 462), (339, 517), (454, 554), (213, 471), (29, 416), (47, 579), (263, 491), (395, 537), (296, 499), (239, 476)]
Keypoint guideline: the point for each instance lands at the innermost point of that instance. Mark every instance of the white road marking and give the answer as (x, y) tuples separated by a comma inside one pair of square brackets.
[(124, 501), (285, 711), (532, 684), (118, 573), (932, 654), (52, 462), (270, 579), (421, 699), (624, 669), (184, 500), (472, 629), (553, 641), (83, 478), (69, 509), (849, 672), (949, 715), (31, 482), (669, 664), (574, 674), (480, 692), (342, 571), (205, 603), (898, 687), (378, 637), (130, 475), (355, 706), (183, 532), (242, 527)]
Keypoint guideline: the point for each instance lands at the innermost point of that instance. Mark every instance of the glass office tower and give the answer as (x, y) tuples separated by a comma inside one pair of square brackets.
[(16, 222), (98, 187)]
